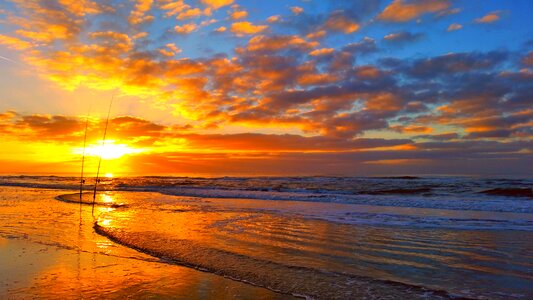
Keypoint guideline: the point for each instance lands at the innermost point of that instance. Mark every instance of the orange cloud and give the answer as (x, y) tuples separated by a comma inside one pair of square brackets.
[(275, 43), (246, 28), (454, 27), (322, 51), (173, 8), (221, 29), (400, 11), (216, 4), (82, 7), (139, 132), (189, 14), (166, 52), (489, 18), (138, 15), (297, 10), (140, 35), (185, 28), (368, 72), (14, 43), (412, 129), (173, 48), (238, 14), (341, 23), (280, 83), (306, 79), (383, 102), (274, 19), (316, 35)]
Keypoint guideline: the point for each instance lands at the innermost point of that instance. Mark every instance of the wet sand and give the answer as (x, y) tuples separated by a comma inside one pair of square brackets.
[(46, 254)]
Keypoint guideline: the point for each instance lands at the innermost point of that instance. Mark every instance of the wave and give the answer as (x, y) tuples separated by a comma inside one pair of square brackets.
[(89, 199), (455, 193), (287, 279), (398, 191), (512, 192)]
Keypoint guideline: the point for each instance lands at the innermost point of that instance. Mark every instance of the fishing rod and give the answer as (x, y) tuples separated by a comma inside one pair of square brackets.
[(103, 144), (82, 181)]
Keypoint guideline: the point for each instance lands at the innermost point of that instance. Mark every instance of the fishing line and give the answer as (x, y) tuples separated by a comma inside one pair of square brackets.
[(82, 181), (102, 149)]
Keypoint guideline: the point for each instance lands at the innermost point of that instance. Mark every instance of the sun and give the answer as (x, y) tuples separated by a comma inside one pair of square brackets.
[(110, 150)]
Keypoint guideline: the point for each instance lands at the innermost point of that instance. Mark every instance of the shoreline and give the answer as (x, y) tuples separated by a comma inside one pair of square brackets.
[(235, 246), (38, 262)]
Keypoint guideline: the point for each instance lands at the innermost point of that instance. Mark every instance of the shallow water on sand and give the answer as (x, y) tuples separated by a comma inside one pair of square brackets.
[(319, 250), (250, 240), (46, 253)]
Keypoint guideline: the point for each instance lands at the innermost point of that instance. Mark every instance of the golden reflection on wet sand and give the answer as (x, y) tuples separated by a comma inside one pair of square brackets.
[(46, 253), (225, 229)]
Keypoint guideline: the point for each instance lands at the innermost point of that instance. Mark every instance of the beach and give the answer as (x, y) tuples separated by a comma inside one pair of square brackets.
[(46, 254), (139, 243)]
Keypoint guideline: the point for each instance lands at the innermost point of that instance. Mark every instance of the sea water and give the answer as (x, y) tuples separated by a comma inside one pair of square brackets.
[(328, 237)]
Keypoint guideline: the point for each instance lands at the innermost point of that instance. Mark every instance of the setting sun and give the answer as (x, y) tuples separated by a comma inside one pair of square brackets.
[(109, 150)]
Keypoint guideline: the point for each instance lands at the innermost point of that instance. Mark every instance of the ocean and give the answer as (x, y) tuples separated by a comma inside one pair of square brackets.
[(313, 237)]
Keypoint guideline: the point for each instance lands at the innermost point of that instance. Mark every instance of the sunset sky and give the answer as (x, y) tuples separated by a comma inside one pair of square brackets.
[(296, 87)]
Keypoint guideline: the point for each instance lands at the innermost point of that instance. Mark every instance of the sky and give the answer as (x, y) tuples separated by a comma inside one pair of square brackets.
[(296, 87)]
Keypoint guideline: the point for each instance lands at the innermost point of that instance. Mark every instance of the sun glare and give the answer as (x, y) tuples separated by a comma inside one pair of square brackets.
[(110, 150)]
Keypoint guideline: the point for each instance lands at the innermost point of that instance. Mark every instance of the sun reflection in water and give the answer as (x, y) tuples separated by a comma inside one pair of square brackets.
[(107, 198)]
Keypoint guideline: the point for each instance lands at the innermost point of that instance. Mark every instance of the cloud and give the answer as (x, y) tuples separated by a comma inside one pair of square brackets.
[(246, 28), (402, 37), (274, 19), (173, 48), (528, 59), (139, 14), (83, 7), (166, 52), (456, 63), (454, 27), (298, 82), (365, 46), (14, 43), (173, 8), (438, 137), (285, 142), (238, 14), (322, 51), (412, 129), (339, 22), (297, 10), (185, 28), (316, 35), (361, 163), (448, 12), (190, 14), (216, 4), (139, 132), (403, 11), (489, 18), (368, 72), (278, 42)]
